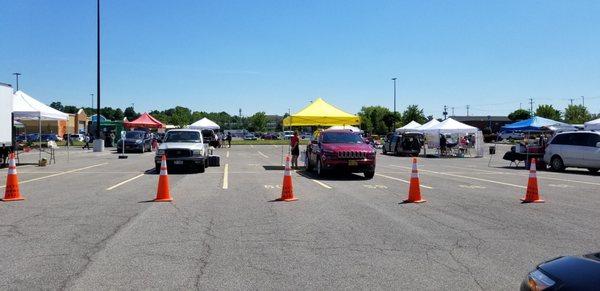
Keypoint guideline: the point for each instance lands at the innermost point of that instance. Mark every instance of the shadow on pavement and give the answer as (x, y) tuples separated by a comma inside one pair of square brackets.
[(331, 176)]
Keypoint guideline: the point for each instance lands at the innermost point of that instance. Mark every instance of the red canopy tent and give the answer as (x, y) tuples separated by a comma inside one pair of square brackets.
[(145, 120)]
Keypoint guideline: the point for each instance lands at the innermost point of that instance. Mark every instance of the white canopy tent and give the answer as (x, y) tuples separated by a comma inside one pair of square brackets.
[(451, 126), (592, 125), (427, 125), (350, 127), (204, 123), (26, 107), (413, 125)]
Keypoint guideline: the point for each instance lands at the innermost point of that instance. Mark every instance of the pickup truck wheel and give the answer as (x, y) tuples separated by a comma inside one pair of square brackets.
[(556, 163), (202, 167), (369, 175), (320, 171)]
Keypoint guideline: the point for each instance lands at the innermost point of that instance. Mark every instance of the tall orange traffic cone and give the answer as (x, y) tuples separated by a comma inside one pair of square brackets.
[(414, 190), (11, 192), (287, 191), (162, 194), (532, 195)]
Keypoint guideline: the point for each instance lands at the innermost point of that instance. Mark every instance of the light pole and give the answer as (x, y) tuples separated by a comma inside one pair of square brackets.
[(17, 76), (394, 79), (92, 94), (98, 142)]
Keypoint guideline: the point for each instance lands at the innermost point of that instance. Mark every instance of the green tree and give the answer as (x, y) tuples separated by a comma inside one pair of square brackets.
[(130, 113), (70, 109), (258, 122), (108, 112), (411, 113), (57, 105), (118, 115), (519, 114), (377, 119), (181, 116), (577, 114), (547, 111)]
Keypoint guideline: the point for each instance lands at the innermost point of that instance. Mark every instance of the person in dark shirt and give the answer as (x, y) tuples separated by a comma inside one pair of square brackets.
[(4, 152), (443, 144), (295, 144)]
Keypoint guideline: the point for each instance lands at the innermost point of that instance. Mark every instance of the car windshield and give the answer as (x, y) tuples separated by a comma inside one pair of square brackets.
[(134, 135), (341, 137), (183, 136)]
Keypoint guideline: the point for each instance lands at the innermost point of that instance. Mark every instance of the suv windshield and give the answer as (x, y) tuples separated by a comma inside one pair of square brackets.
[(341, 137), (134, 135), (183, 136)]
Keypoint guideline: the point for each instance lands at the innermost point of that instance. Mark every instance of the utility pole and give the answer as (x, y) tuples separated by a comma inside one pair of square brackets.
[(583, 101), (530, 106), (394, 79), (98, 143), (468, 110), (520, 105), (452, 111), (17, 76), (92, 94), (571, 100), (445, 113)]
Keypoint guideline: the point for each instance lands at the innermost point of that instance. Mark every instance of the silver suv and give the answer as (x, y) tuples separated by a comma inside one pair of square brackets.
[(579, 149)]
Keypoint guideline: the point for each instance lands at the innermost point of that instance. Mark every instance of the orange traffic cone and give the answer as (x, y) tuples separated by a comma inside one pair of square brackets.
[(287, 191), (12, 193), (532, 195), (414, 190), (162, 194)]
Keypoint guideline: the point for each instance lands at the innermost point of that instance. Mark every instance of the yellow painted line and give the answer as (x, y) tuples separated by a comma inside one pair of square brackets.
[(265, 156), (322, 184), (471, 178), (227, 155), (58, 174), (401, 180), (124, 182), (226, 177)]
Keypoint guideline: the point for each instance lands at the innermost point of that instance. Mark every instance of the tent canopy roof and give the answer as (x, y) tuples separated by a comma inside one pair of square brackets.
[(321, 113), (145, 120), (204, 123), (427, 125), (411, 125), (534, 123), (26, 107), (452, 126)]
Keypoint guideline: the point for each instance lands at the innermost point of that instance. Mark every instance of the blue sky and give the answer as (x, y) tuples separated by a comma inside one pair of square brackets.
[(273, 55)]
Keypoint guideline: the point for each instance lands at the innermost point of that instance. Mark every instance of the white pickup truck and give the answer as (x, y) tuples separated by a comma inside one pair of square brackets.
[(183, 148)]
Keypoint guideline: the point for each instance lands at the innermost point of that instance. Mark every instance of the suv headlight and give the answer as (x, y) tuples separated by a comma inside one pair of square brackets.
[(139, 141), (538, 281), (198, 152)]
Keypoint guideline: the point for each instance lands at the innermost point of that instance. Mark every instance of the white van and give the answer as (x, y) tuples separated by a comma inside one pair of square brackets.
[(579, 149)]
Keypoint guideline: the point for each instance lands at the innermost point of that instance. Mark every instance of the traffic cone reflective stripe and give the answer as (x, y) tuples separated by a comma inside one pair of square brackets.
[(163, 194), (12, 192), (532, 195), (414, 189), (287, 191)]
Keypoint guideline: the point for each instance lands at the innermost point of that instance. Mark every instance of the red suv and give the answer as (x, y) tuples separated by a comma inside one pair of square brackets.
[(340, 150)]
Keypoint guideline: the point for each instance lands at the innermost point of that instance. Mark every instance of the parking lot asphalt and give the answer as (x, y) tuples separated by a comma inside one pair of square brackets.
[(86, 223)]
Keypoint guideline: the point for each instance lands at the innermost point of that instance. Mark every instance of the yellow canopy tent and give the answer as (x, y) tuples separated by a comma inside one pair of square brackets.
[(321, 113)]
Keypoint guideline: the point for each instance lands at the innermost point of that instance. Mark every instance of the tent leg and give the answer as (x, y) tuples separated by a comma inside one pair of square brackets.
[(40, 137)]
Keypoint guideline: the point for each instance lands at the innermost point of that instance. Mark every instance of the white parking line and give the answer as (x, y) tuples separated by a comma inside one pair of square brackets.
[(401, 180), (124, 182), (227, 155), (471, 178), (251, 146), (226, 177), (265, 156), (58, 174), (322, 184)]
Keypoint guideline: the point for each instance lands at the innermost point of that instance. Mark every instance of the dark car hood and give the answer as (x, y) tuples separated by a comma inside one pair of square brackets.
[(347, 147), (132, 140), (573, 273)]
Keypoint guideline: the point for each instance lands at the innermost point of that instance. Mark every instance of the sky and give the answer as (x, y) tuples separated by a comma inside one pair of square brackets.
[(278, 55)]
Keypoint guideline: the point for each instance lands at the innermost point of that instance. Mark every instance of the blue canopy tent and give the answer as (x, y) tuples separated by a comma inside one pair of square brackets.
[(532, 124)]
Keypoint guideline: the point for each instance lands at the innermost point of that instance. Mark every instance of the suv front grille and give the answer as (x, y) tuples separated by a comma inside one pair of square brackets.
[(178, 153), (351, 155)]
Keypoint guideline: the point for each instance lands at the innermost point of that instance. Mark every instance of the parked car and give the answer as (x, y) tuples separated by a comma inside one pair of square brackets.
[(579, 149), (270, 136), (49, 137), (249, 136), (183, 148), (510, 136), (340, 150), (288, 134), (565, 273), (136, 140), (407, 143)]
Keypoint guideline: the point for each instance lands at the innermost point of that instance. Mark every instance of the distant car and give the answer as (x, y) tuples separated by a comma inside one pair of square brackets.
[(183, 148), (407, 143), (270, 136), (249, 136), (579, 149), (340, 150), (49, 137), (305, 135), (565, 273), (136, 140), (288, 134), (510, 136)]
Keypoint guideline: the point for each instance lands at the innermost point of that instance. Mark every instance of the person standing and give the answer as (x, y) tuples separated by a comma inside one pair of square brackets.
[(443, 144), (229, 139), (4, 152), (87, 142), (295, 144)]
